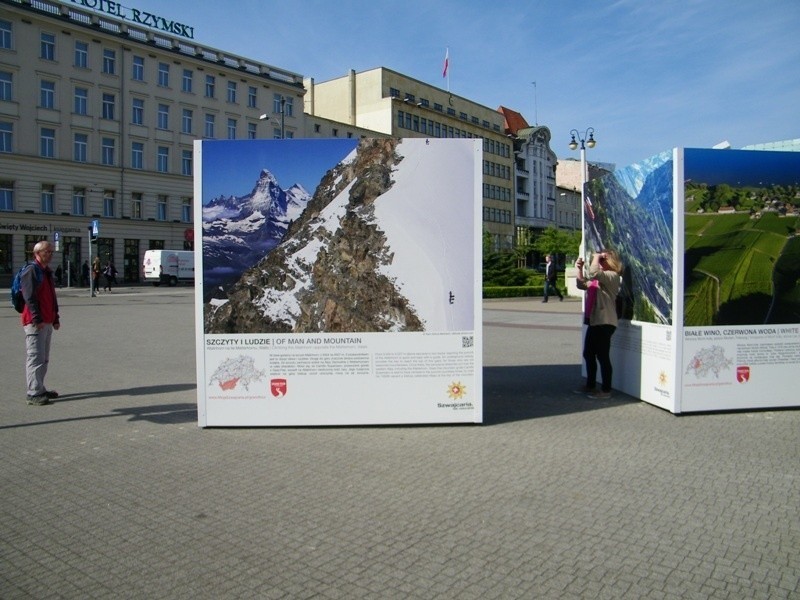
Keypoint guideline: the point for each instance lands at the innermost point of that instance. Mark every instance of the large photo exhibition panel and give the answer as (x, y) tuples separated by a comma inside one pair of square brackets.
[(339, 281)]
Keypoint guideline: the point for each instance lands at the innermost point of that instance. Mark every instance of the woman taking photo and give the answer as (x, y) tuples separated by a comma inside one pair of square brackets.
[(603, 284)]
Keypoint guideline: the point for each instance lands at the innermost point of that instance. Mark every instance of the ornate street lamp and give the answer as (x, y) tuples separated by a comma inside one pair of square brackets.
[(586, 139)]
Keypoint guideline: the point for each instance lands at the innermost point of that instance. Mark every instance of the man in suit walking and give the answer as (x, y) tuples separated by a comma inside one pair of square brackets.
[(550, 277)]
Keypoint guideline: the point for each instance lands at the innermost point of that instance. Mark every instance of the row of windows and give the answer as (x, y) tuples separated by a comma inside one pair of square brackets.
[(108, 150), (79, 203), (80, 106), (81, 60), (496, 215), (425, 103), (406, 120), (496, 170), (496, 192)]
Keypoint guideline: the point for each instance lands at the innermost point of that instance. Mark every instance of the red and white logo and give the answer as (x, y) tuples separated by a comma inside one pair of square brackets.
[(278, 387), (742, 374)]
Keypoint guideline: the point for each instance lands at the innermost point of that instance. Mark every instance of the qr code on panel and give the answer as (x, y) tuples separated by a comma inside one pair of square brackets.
[(467, 341)]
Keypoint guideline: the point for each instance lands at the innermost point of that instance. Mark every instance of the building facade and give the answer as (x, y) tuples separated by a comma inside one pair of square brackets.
[(388, 102), (98, 115)]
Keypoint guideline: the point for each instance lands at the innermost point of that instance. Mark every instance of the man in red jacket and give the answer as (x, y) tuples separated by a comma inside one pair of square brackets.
[(39, 319)]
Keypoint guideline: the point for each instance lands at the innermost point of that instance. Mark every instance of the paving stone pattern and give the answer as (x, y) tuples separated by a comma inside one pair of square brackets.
[(114, 492)]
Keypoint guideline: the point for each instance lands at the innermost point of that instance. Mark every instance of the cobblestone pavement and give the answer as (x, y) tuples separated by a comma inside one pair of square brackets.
[(114, 492)]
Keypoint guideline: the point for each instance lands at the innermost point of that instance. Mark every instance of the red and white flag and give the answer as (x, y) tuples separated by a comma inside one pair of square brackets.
[(446, 62)]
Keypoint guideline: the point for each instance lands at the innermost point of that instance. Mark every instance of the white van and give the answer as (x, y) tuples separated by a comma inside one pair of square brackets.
[(168, 266)]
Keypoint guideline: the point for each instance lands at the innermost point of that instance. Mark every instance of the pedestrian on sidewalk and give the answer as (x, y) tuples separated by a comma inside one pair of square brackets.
[(96, 271), (39, 318), (550, 279)]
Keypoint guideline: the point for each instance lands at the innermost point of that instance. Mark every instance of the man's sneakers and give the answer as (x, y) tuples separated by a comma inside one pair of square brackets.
[(38, 400), (42, 399)]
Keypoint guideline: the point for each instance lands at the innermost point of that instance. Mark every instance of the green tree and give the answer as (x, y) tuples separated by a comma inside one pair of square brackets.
[(560, 244)]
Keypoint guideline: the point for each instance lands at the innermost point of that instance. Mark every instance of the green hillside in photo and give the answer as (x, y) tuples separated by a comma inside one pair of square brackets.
[(731, 265)]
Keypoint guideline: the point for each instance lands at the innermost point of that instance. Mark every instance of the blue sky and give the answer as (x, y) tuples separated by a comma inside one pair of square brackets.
[(647, 75)]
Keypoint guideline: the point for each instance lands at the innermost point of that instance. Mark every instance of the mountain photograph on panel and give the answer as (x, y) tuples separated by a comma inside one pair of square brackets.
[(369, 235), (742, 237), (630, 211)]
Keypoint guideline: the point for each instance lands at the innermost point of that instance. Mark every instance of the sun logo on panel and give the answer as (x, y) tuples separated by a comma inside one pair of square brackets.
[(662, 379), (456, 390)]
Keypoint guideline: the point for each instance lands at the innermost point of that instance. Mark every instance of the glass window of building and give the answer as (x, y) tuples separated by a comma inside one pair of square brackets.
[(6, 136), (162, 159), (186, 121), (137, 111), (251, 131), (232, 91), (108, 106), (161, 208), (288, 108), (136, 205), (277, 100), (109, 203), (186, 162), (81, 101), (80, 150), (6, 195), (163, 74), (48, 198), (137, 72), (6, 86), (81, 55), (47, 46), (47, 94), (231, 129), (137, 155), (209, 129), (6, 35), (252, 96), (79, 201), (47, 142), (107, 151), (163, 116), (109, 61), (186, 210), (186, 81), (210, 85)]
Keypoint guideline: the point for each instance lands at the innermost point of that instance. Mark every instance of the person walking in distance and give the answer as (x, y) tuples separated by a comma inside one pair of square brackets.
[(96, 271), (550, 278), (605, 272), (39, 319)]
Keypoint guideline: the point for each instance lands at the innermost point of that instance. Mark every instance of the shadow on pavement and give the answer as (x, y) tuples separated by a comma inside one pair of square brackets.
[(138, 391), (528, 392)]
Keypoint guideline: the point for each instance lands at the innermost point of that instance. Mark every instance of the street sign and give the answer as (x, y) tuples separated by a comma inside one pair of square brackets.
[(57, 240), (95, 228)]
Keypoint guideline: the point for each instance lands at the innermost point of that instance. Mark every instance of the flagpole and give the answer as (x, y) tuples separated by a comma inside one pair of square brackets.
[(446, 72)]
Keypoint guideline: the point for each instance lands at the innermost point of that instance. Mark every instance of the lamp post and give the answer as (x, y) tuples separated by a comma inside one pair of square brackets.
[(586, 138)]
